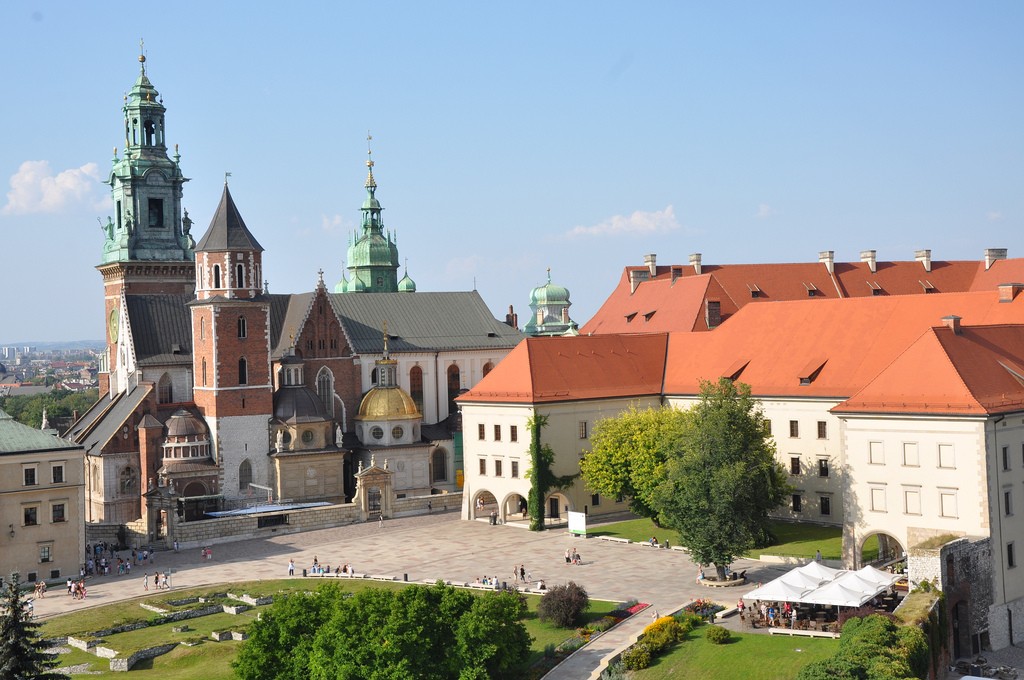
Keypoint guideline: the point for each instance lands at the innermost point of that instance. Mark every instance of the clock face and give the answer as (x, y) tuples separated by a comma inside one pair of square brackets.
[(112, 325)]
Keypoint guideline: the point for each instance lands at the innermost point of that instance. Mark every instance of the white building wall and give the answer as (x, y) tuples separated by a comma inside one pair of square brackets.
[(237, 438)]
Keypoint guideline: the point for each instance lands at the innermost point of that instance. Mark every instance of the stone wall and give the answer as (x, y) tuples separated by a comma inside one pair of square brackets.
[(417, 505), (225, 529)]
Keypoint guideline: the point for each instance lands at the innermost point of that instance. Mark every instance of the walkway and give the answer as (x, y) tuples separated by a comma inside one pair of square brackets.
[(441, 546)]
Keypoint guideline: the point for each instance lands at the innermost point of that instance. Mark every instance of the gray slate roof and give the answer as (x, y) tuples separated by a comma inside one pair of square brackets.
[(158, 323), (421, 322), (227, 229), (18, 438), (106, 417), (286, 313)]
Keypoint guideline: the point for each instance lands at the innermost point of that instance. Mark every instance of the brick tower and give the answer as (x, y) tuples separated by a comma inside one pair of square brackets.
[(231, 349)]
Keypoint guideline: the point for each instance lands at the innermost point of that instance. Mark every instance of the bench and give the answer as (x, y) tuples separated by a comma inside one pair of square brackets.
[(616, 539), (801, 633)]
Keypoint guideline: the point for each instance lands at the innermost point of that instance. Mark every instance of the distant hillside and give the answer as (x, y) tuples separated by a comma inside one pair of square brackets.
[(60, 344)]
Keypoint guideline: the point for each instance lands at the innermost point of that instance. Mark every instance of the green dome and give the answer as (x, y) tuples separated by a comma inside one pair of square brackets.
[(341, 286), (373, 250), (406, 285), (549, 294)]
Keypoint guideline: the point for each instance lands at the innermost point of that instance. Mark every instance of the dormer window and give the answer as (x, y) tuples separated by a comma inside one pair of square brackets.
[(875, 288), (812, 290), (630, 317), (811, 371), (927, 286), (650, 315), (755, 291)]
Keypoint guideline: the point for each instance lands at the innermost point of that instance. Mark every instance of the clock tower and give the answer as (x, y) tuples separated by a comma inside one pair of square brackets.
[(147, 248)]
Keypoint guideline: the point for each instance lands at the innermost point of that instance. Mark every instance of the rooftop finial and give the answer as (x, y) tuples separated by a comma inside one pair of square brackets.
[(142, 55), (370, 182), (320, 274), (226, 175), (386, 340), (549, 274)]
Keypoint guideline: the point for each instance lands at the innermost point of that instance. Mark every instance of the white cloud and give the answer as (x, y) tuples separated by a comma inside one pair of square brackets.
[(35, 189), (764, 211), (639, 222), (994, 216), (332, 224)]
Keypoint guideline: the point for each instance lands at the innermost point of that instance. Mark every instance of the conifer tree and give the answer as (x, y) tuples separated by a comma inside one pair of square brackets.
[(21, 651)]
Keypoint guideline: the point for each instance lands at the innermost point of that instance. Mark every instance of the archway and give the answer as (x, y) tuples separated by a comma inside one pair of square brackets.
[(483, 504), (879, 549), (194, 489), (514, 508), (557, 507)]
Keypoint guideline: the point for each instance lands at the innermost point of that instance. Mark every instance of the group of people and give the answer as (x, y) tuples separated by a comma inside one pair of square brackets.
[(160, 581), (573, 557), (519, 573), (76, 589), (320, 569)]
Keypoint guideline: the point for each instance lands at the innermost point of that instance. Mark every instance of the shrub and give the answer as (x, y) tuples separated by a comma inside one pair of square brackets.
[(603, 624), (717, 635), (662, 634), (637, 657), (572, 644), (563, 605), (689, 620)]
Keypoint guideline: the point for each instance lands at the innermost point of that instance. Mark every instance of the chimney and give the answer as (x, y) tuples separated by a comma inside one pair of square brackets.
[(952, 322), (695, 263), (993, 254), (869, 257), (1008, 291), (635, 277), (828, 258), (925, 258), (649, 262), (565, 315), (512, 319)]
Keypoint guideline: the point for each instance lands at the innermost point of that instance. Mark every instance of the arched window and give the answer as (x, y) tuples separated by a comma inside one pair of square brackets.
[(488, 367), (242, 328), (244, 475), (202, 328), (454, 385), (416, 386), (216, 276), (439, 465), (204, 371), (325, 389), (239, 276), (243, 372), (164, 393), (373, 376), (128, 481)]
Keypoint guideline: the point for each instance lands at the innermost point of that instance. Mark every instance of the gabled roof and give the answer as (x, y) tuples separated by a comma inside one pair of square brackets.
[(94, 431), (161, 328), (18, 438), (677, 305), (420, 322), (979, 370), (838, 346), (227, 229), (287, 314), (545, 369)]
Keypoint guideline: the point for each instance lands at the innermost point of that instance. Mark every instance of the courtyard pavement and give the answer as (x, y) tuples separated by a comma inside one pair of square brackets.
[(442, 546)]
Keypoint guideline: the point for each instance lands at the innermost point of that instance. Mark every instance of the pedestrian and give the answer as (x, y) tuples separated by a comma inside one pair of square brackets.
[(429, 507), (175, 546), (291, 567), (817, 556), (568, 556), (380, 522), (145, 581), (209, 553)]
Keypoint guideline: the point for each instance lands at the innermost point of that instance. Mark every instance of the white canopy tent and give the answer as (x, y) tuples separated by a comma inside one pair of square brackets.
[(814, 583)]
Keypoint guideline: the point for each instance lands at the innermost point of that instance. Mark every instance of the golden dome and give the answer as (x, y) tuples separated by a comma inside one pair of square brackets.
[(386, 403)]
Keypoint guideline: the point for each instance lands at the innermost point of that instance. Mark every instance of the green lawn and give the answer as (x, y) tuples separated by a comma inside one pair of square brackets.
[(212, 660), (793, 539), (765, 657)]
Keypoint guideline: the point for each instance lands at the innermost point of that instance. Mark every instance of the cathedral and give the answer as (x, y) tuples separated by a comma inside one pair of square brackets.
[(216, 394)]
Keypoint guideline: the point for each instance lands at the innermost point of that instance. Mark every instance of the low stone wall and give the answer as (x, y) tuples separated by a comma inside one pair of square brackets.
[(254, 601), (417, 505), (225, 529), (123, 665)]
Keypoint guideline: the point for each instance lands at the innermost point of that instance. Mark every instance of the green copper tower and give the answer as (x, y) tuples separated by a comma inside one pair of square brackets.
[(146, 186), (372, 255)]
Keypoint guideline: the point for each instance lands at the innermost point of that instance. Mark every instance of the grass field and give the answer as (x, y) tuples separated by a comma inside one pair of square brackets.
[(764, 657), (211, 660)]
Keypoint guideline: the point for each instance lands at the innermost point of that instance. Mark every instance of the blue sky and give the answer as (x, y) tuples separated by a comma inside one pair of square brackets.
[(513, 137)]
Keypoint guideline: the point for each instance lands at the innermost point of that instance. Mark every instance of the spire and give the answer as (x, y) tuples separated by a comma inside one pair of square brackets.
[(142, 56), (386, 354), (227, 229), (371, 184)]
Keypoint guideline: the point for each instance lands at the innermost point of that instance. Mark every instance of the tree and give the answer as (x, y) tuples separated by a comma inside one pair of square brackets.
[(628, 455), (720, 485), (22, 655), (542, 479)]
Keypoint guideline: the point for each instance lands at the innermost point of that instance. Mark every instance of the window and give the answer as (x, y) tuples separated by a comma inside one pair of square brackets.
[(910, 458), (243, 372), (128, 480), (377, 432), (454, 386), (439, 465), (239, 275), (515, 469), (1006, 458), (583, 429), (878, 499), (1008, 502), (244, 475), (307, 436), (826, 506), (1011, 560), (156, 213), (483, 467), (767, 425), (823, 467), (202, 328), (946, 456), (243, 330), (497, 433), (497, 468), (488, 367), (204, 371), (164, 391), (416, 386), (796, 502), (947, 502), (822, 429), (216, 276), (57, 513), (595, 499), (30, 516), (794, 465), (481, 431), (325, 390), (57, 474), (30, 476), (45, 553), (876, 454), (794, 428), (912, 501), (513, 433)]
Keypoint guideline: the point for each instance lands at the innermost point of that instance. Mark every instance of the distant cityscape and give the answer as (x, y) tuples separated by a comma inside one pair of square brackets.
[(27, 369)]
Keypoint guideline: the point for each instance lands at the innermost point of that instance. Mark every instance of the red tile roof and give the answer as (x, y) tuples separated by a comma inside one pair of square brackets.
[(672, 301), (556, 369)]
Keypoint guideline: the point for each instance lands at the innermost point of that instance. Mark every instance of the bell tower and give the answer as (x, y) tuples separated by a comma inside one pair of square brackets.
[(147, 246), (373, 254)]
